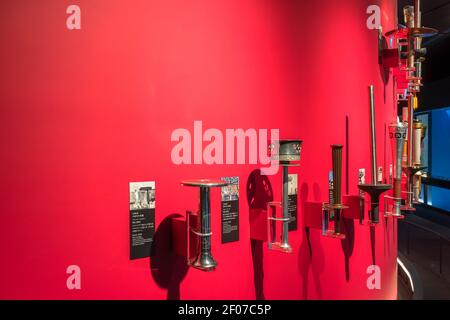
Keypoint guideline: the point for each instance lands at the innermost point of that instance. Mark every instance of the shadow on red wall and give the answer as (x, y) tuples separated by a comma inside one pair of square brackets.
[(168, 269), (259, 193)]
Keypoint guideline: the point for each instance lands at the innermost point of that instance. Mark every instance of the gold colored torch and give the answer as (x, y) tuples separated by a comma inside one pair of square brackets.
[(420, 130), (415, 33)]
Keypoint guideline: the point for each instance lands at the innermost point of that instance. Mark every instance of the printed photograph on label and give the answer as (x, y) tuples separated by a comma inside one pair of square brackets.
[(142, 195), (231, 191), (292, 184)]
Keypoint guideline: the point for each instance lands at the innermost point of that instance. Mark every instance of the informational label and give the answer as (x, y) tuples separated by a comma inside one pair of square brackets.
[(292, 200), (390, 173), (362, 176), (330, 195), (142, 218), (230, 210), (380, 175), (361, 180)]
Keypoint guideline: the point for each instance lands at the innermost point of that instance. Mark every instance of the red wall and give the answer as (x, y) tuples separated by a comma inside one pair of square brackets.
[(85, 112)]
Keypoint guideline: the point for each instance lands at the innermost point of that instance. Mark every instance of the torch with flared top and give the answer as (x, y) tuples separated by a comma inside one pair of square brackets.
[(397, 135), (287, 153), (332, 210)]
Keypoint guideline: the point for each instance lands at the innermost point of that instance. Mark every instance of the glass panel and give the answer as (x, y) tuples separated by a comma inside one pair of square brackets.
[(439, 198), (440, 153)]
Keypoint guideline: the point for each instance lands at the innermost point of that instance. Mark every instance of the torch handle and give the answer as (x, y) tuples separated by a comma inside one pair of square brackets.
[(373, 137)]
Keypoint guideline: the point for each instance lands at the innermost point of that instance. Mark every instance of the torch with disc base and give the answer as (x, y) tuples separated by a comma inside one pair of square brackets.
[(203, 259), (374, 189)]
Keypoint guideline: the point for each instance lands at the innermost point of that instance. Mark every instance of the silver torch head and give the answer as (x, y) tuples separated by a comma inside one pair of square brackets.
[(397, 135), (287, 151)]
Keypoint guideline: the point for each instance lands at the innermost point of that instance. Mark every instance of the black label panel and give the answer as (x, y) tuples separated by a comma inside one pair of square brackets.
[(292, 201), (142, 219), (292, 209), (230, 210), (142, 230)]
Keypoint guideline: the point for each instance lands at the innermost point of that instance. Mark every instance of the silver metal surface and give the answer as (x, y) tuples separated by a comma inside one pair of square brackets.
[(373, 137), (288, 150), (285, 232), (375, 189), (272, 242), (397, 135), (203, 259), (417, 14), (204, 183), (411, 103)]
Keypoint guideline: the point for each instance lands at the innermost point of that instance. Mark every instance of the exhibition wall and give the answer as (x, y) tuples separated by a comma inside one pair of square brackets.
[(84, 112)]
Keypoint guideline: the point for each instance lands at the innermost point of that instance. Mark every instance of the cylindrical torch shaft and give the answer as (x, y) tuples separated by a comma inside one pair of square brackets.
[(411, 103), (373, 137), (205, 220), (417, 14), (285, 233)]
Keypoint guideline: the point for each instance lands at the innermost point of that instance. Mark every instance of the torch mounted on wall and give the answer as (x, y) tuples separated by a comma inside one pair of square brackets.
[(420, 130), (411, 55), (374, 189), (414, 165), (287, 153), (414, 76), (332, 210), (397, 135), (201, 257)]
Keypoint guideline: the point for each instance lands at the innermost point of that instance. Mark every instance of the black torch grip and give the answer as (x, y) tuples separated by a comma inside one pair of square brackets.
[(375, 218), (336, 151)]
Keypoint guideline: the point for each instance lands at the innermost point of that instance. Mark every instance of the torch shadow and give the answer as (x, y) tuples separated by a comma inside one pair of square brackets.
[(168, 269), (348, 244), (387, 234), (310, 260), (259, 193), (383, 72), (372, 244)]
